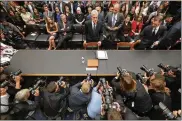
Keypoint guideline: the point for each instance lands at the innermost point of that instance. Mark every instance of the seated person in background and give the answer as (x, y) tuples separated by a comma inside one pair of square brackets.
[(27, 16), (38, 17), (69, 15), (15, 18), (79, 16), (124, 34), (94, 106), (52, 29), (80, 95), (113, 23), (57, 15), (47, 13), (7, 27), (89, 10), (151, 35), (54, 99), (65, 32), (136, 27), (93, 29), (100, 12), (167, 21), (25, 109)]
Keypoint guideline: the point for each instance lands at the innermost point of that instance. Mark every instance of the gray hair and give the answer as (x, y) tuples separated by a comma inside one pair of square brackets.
[(22, 95), (94, 12)]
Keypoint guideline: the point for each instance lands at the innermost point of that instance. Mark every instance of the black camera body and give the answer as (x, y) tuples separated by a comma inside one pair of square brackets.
[(88, 77), (7, 63), (13, 74), (162, 66), (59, 82), (122, 72), (107, 94), (39, 83), (140, 78), (149, 72)]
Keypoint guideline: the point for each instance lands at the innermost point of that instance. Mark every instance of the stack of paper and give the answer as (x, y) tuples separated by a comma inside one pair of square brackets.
[(102, 55)]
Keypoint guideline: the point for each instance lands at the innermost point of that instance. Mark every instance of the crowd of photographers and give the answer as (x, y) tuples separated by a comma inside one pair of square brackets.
[(128, 96), (124, 21)]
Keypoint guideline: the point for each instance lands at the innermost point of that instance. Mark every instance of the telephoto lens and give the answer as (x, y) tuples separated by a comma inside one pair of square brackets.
[(7, 63), (4, 84), (149, 72), (166, 111), (166, 69)]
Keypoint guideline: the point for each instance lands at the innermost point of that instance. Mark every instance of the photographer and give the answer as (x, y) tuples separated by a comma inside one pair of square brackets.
[(119, 111), (12, 88), (93, 108), (159, 93), (136, 97), (80, 95), (53, 101), (25, 109)]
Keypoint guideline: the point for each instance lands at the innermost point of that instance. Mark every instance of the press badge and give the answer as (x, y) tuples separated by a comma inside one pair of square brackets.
[(132, 104)]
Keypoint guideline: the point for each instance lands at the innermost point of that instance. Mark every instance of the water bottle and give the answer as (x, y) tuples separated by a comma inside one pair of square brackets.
[(83, 60)]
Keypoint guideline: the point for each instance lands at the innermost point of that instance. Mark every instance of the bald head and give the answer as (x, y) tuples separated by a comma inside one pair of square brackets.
[(116, 8)]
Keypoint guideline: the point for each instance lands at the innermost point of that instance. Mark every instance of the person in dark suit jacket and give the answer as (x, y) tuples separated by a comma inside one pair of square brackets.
[(80, 95), (171, 37), (113, 23), (151, 34), (70, 4), (54, 99), (61, 6), (65, 32), (94, 29)]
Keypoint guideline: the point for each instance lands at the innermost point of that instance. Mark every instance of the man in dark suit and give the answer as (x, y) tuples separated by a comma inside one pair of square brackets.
[(71, 6), (93, 29), (61, 6), (171, 37), (151, 34), (113, 23), (65, 32)]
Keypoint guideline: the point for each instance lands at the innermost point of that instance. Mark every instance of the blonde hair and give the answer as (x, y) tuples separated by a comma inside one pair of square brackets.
[(22, 95), (85, 88), (159, 85)]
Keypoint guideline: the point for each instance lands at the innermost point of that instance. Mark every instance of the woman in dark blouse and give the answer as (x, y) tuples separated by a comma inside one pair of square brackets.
[(57, 15), (38, 17), (69, 15), (125, 31), (79, 16)]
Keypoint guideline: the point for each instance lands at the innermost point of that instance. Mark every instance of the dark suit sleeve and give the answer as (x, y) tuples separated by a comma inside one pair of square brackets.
[(164, 33), (86, 31), (69, 28), (106, 21), (75, 87), (122, 20), (101, 32)]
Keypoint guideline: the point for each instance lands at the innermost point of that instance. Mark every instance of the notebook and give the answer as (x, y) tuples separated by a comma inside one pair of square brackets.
[(102, 55)]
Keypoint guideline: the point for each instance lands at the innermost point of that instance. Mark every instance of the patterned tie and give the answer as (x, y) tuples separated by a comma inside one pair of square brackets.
[(113, 20)]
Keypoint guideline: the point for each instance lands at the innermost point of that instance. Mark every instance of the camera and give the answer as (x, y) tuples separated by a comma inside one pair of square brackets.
[(59, 82), (168, 114), (39, 83), (13, 74), (4, 84), (107, 94), (122, 72), (166, 69), (88, 77), (7, 63), (149, 72), (140, 78)]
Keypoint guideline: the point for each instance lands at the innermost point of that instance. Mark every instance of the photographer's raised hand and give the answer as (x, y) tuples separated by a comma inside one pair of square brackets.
[(17, 80), (37, 93)]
